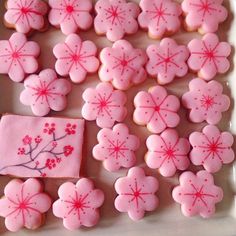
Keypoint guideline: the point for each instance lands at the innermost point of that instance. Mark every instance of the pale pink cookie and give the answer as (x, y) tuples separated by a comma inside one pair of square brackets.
[(205, 101), (115, 18), (167, 152), (197, 194), (76, 58), (167, 60), (211, 148), (26, 15), (136, 193), (78, 204), (208, 56), (160, 17), (104, 104), (204, 15), (24, 204), (18, 57), (116, 147), (45, 92), (156, 109), (70, 15)]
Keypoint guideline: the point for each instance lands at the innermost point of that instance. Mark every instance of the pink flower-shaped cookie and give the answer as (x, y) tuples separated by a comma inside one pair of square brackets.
[(24, 204), (208, 56), (205, 101), (45, 92), (18, 57), (70, 15), (166, 60), (25, 15), (167, 152), (156, 109), (76, 58), (136, 193), (116, 147), (78, 204), (123, 65), (159, 17), (211, 148), (204, 15), (104, 104), (197, 194), (115, 18)]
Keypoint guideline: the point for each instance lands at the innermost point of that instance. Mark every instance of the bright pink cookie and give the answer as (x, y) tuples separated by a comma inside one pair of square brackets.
[(24, 204), (156, 109), (78, 204), (70, 15), (204, 15), (104, 104), (211, 148), (160, 17), (18, 57), (45, 92), (197, 194), (123, 65), (136, 193), (116, 147), (205, 101), (76, 58), (166, 60), (115, 18), (167, 152)]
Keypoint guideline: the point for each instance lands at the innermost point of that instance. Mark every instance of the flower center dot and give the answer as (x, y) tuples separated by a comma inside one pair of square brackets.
[(69, 9)]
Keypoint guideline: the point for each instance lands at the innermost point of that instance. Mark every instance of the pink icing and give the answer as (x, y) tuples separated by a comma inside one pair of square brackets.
[(23, 204), (159, 17), (205, 101), (209, 56), (197, 194), (45, 92), (116, 147), (115, 18), (156, 109), (166, 60), (167, 152), (70, 15), (123, 65), (136, 193), (78, 204), (211, 148), (18, 57), (76, 58), (104, 104)]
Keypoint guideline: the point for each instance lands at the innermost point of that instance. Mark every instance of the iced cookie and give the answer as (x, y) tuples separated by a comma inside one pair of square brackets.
[(18, 57), (197, 194), (78, 204), (104, 104), (156, 109), (123, 65), (116, 147), (45, 92), (166, 60), (167, 152), (76, 58), (136, 193), (26, 15), (71, 15), (204, 15), (24, 204), (208, 56), (205, 101), (211, 148), (115, 18), (159, 17)]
